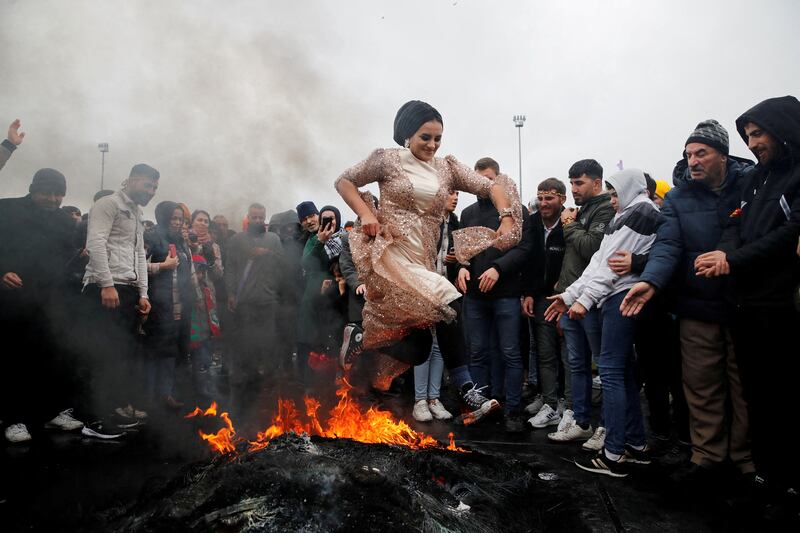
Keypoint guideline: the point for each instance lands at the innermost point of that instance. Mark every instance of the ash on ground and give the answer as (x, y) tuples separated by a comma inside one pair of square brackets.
[(315, 484)]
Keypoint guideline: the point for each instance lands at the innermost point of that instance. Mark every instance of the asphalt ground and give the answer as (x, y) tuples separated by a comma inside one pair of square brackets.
[(60, 481)]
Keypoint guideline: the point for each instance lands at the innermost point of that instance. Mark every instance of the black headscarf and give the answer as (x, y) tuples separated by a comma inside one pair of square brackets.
[(410, 117), (336, 213), (164, 212)]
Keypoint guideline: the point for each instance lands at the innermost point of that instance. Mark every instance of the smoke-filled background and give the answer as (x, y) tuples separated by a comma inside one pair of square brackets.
[(269, 101)]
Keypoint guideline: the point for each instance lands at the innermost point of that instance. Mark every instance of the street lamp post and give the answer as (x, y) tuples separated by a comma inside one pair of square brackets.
[(519, 121), (103, 147)]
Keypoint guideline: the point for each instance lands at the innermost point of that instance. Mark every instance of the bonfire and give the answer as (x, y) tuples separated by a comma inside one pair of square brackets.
[(347, 420)]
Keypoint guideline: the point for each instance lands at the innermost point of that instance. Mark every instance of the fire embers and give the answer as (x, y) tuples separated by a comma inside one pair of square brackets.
[(346, 420)]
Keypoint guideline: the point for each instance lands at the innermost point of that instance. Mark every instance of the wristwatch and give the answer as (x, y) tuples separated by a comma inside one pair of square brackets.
[(503, 213)]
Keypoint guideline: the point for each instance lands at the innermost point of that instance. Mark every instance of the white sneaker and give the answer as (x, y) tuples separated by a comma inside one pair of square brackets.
[(421, 411), (566, 419), (535, 406), (546, 416), (571, 433), (562, 404), (438, 411), (89, 432), (17, 433), (598, 440), (64, 421), (597, 384)]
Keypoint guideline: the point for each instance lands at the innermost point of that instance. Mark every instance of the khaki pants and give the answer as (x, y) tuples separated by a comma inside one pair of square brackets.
[(717, 410)]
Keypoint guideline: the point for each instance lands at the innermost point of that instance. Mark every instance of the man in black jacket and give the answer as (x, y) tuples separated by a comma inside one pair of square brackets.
[(492, 284), (758, 251), (36, 245), (540, 277)]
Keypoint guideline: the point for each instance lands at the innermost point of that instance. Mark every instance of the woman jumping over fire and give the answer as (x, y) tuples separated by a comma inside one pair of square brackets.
[(394, 246)]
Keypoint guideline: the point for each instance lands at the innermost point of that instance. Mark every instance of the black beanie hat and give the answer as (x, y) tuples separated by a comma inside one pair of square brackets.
[(306, 208), (410, 117), (711, 133), (48, 180)]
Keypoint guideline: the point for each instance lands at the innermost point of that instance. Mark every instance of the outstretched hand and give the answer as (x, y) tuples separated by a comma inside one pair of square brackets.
[(634, 301), (556, 309)]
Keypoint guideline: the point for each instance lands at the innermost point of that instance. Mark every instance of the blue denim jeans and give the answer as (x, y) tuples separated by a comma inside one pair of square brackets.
[(622, 409), (583, 340), (499, 318), (428, 375)]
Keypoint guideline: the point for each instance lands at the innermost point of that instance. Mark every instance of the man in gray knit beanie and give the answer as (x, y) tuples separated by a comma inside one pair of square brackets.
[(711, 133)]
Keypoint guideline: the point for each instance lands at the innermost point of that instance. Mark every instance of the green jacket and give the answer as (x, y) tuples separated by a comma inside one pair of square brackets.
[(315, 267), (582, 238)]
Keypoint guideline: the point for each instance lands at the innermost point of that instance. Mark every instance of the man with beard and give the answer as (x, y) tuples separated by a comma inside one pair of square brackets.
[(115, 287), (308, 215), (36, 245), (253, 280), (10, 144), (583, 232), (758, 251), (539, 280)]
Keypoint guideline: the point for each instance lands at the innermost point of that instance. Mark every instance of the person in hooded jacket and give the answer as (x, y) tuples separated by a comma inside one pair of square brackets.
[(172, 297), (709, 183), (633, 228), (757, 250)]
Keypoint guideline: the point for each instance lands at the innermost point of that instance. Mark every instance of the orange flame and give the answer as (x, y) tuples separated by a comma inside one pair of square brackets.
[(346, 420), (452, 446)]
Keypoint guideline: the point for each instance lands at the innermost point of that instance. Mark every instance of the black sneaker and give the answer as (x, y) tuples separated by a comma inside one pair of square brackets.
[(600, 464), (478, 405), (513, 423), (351, 345), (639, 457)]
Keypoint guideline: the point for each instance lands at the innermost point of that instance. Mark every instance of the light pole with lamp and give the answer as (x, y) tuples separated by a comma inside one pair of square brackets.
[(103, 147), (519, 121)]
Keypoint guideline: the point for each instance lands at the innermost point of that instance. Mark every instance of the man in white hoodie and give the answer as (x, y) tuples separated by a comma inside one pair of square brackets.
[(633, 228)]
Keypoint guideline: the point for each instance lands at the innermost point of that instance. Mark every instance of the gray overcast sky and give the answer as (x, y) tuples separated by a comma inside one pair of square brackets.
[(243, 101)]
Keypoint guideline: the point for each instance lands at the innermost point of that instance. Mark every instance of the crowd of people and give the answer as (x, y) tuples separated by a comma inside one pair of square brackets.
[(689, 291)]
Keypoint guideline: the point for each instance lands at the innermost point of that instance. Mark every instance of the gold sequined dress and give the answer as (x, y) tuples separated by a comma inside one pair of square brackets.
[(397, 266)]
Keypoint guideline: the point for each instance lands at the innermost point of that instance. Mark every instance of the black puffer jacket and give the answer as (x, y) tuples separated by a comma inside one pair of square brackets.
[(36, 245), (761, 240)]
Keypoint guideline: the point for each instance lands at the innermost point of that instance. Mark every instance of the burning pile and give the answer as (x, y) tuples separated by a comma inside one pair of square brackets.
[(346, 420), (312, 484)]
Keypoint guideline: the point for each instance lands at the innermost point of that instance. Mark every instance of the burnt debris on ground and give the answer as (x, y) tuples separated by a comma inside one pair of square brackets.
[(299, 483)]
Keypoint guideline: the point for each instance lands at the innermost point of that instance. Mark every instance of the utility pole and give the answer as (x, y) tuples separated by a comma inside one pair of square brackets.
[(103, 147), (519, 121)]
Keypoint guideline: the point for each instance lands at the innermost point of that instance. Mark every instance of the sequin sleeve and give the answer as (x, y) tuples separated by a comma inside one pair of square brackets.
[(469, 242), (467, 180), (368, 171)]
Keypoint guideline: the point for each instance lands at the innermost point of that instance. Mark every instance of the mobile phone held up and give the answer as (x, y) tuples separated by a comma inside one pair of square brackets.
[(173, 252), (328, 222)]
